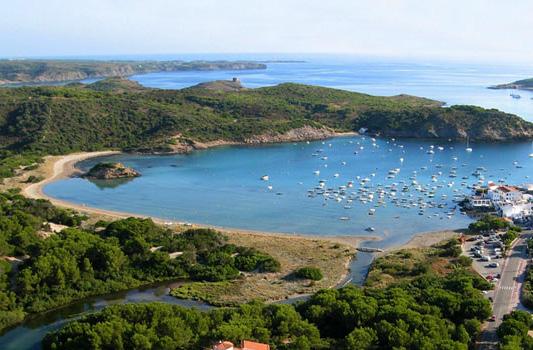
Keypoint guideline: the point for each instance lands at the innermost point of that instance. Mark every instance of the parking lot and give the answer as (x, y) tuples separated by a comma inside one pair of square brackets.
[(486, 252)]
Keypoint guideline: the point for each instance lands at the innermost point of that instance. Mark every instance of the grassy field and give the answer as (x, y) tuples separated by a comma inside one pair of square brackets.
[(292, 252)]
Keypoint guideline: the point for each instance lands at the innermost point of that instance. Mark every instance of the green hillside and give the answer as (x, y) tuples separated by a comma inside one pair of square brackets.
[(117, 113)]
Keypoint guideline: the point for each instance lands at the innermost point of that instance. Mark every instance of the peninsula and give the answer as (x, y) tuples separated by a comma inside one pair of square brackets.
[(53, 71), (119, 114)]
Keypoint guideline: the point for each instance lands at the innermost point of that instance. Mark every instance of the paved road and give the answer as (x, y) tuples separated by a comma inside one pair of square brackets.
[(507, 291)]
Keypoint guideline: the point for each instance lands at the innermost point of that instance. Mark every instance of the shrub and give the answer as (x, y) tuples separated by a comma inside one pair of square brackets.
[(464, 261), (311, 273)]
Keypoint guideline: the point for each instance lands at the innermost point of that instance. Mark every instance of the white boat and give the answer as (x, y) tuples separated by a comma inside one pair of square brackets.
[(468, 148), (317, 172), (265, 178)]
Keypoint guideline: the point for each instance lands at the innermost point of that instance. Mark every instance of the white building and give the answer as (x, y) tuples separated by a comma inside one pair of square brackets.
[(516, 211), (509, 201), (480, 202), (505, 194)]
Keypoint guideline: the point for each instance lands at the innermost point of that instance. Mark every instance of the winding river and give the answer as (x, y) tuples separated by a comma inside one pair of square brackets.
[(28, 335)]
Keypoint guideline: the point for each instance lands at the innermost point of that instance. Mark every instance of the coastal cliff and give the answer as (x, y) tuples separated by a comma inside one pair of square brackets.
[(305, 133), (48, 71), (456, 123)]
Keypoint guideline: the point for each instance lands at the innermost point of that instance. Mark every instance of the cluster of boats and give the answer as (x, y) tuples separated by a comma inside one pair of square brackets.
[(433, 189), (407, 194), (404, 193)]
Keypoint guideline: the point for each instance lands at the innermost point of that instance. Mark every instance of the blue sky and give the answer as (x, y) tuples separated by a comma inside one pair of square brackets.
[(476, 30)]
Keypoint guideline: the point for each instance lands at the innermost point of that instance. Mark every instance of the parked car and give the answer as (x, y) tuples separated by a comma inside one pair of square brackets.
[(485, 258), (494, 264)]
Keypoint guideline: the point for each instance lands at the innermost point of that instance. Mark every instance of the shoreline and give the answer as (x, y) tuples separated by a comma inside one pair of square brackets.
[(61, 167)]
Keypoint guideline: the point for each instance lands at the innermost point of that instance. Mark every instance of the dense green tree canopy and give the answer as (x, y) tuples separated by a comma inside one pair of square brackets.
[(398, 317), (76, 262)]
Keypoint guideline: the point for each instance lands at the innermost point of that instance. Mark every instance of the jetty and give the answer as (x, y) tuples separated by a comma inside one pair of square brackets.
[(370, 250)]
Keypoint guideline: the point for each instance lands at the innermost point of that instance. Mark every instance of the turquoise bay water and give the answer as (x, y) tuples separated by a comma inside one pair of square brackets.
[(222, 187)]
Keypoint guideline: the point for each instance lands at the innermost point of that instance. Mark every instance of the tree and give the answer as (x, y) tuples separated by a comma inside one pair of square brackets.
[(361, 338)]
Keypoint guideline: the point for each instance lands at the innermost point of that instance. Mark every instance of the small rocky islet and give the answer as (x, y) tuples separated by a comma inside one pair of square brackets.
[(111, 171)]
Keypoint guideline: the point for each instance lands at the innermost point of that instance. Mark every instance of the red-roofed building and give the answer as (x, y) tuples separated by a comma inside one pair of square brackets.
[(245, 345), (250, 345), (505, 194), (223, 345)]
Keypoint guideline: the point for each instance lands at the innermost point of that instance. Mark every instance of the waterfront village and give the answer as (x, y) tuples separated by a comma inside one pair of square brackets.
[(514, 203)]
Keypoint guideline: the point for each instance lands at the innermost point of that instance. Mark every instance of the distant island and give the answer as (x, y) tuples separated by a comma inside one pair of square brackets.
[(50, 71), (524, 84)]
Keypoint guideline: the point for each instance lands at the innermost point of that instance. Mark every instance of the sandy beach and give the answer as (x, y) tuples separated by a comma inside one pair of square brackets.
[(426, 239)]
